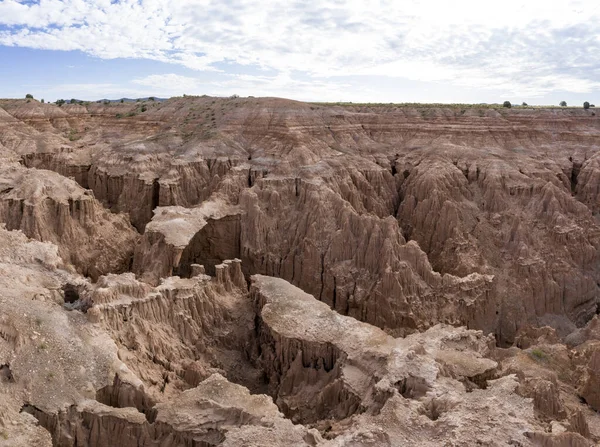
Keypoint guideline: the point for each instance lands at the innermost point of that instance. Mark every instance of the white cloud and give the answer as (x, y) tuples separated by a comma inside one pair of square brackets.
[(514, 46)]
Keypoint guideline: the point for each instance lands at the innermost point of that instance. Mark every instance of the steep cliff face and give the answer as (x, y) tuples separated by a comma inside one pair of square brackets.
[(51, 208), (179, 237), (500, 203), (519, 223)]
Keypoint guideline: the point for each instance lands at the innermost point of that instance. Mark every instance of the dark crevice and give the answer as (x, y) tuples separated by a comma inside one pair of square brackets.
[(406, 233), (412, 387), (6, 373), (574, 176), (73, 299), (71, 293), (322, 274), (432, 410), (333, 305), (155, 193)]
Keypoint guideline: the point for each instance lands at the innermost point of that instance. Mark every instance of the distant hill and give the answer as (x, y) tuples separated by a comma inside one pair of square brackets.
[(77, 101)]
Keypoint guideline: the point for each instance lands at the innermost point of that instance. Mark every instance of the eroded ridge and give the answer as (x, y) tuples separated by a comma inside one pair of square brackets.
[(268, 272)]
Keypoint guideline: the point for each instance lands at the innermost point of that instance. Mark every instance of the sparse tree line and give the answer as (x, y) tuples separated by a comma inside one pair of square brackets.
[(586, 104), (60, 102)]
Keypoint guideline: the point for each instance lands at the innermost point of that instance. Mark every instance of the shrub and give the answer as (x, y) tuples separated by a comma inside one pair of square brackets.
[(586, 105), (524, 104), (592, 105), (563, 104), (28, 96), (122, 101), (42, 100), (152, 98), (60, 102), (144, 108), (507, 104), (73, 101), (538, 354)]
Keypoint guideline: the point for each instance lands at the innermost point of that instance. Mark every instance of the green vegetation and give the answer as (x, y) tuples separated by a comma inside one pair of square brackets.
[(507, 104), (73, 135), (73, 101), (122, 101), (419, 105), (586, 105), (524, 104), (60, 102), (28, 96), (43, 346), (144, 108), (152, 98), (563, 104), (42, 101), (126, 115), (3, 434), (538, 354)]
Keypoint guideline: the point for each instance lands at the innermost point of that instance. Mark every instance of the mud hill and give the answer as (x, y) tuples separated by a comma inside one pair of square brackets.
[(257, 271)]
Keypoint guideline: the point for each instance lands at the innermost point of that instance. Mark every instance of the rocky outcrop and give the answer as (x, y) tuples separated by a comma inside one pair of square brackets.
[(51, 208), (361, 266), (174, 335), (217, 412), (590, 389), (54, 358), (178, 237)]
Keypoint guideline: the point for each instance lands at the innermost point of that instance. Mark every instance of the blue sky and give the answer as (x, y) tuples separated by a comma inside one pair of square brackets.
[(536, 51)]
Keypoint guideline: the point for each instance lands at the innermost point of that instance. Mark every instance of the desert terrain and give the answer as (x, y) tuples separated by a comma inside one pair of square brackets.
[(207, 271)]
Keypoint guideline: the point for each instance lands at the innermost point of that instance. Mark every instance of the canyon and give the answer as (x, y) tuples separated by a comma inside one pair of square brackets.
[(207, 271)]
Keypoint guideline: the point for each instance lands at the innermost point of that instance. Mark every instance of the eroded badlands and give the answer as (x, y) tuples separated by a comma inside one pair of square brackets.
[(264, 272)]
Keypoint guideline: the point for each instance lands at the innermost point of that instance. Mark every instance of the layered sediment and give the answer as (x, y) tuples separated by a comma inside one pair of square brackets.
[(208, 271)]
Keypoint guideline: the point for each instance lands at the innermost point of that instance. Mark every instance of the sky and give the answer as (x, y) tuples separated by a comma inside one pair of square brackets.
[(468, 51)]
